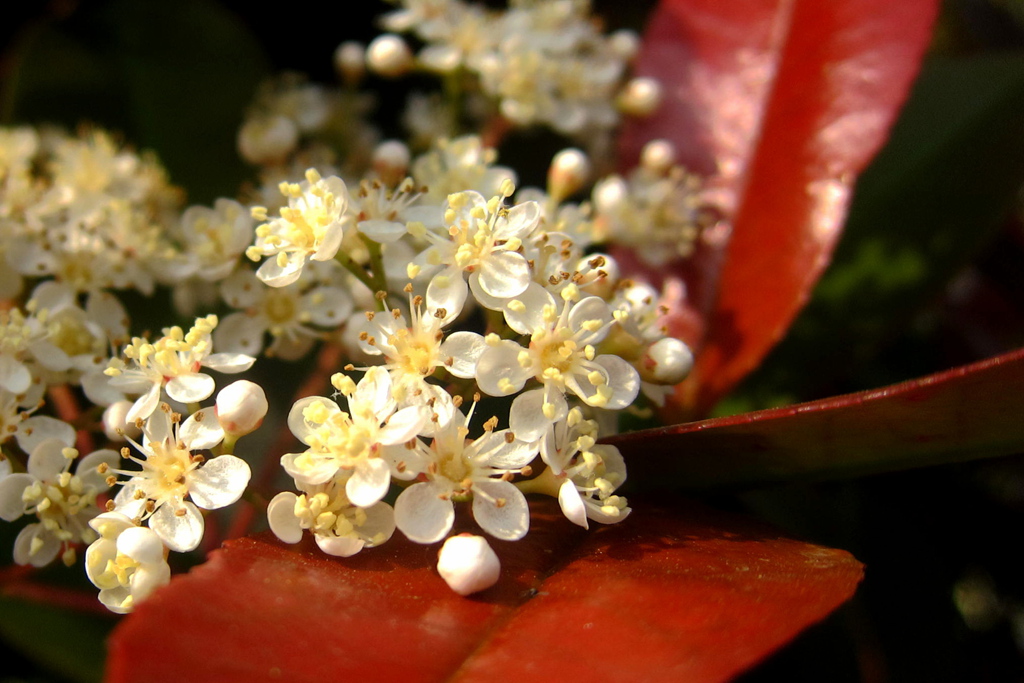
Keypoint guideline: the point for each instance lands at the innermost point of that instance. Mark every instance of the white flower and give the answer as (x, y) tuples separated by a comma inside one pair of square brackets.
[(171, 472), (127, 563), (468, 564), (459, 165), (456, 468), (588, 488), (216, 237), (339, 528), (413, 351), (311, 226), (561, 356), (351, 441), (483, 240), (63, 502), (173, 362), (289, 314)]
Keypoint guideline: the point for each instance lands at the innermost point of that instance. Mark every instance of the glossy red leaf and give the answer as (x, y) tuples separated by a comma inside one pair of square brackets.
[(779, 103), (965, 413), (692, 594)]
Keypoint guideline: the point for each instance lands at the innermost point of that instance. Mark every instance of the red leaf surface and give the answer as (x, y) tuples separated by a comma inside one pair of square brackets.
[(690, 594), (780, 104), (969, 412)]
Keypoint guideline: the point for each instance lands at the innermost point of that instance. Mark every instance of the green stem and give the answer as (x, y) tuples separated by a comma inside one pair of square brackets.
[(545, 483), (354, 268), (380, 280), (227, 446)]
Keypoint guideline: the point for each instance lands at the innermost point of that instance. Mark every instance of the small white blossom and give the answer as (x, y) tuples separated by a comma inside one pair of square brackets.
[(172, 363), (127, 563), (562, 356), (352, 441), (339, 527), (174, 479), (63, 502), (453, 467), (310, 227)]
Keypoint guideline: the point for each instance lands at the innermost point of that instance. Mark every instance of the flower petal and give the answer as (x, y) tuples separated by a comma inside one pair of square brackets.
[(504, 274), (88, 468), (219, 482), (229, 363), (44, 554), (422, 515), (190, 388), (369, 482), (179, 532), (502, 512), (141, 544), (34, 430), (201, 430), (339, 546), (47, 460), (282, 519), (14, 376), (11, 489), (572, 504), (461, 351)]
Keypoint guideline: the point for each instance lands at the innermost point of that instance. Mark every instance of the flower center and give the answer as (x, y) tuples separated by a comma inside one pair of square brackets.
[(165, 472), (57, 501), (417, 352), (279, 306)]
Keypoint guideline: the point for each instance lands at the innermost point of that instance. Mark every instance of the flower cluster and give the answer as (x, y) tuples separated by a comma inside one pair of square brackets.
[(490, 339)]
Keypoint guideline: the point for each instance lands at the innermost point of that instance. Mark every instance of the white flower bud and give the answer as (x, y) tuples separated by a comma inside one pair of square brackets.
[(350, 62), (389, 56), (658, 156), (624, 43), (640, 97), (267, 139), (610, 194), (569, 170), (114, 424), (467, 563), (391, 161), (241, 407), (672, 361)]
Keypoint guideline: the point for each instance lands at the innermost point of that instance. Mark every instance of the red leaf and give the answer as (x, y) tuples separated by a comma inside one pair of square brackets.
[(780, 103), (694, 595), (965, 413)]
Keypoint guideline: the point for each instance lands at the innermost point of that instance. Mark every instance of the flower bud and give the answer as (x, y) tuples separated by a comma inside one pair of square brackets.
[(391, 161), (625, 44), (569, 170), (241, 407), (350, 62), (669, 361), (658, 156), (114, 424), (389, 56), (610, 195), (467, 563), (267, 139), (640, 97)]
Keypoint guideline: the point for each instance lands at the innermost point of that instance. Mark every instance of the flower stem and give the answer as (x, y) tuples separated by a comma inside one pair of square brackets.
[(351, 266)]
